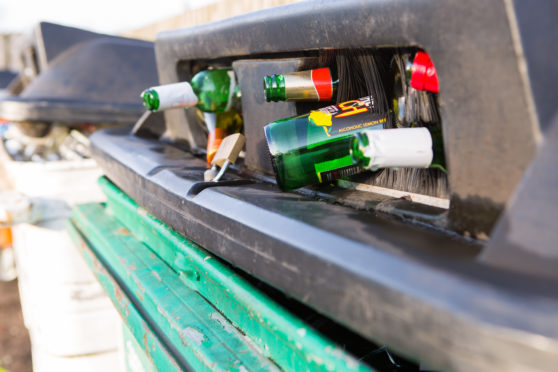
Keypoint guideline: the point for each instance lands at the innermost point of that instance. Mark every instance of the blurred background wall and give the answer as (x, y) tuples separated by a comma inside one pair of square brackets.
[(8, 45), (11, 43), (212, 12)]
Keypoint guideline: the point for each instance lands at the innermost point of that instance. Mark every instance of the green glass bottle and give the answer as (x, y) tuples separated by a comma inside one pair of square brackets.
[(209, 90), (398, 148), (310, 85), (315, 147)]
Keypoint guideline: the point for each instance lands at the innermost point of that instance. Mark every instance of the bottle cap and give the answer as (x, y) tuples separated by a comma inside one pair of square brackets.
[(323, 83), (424, 76)]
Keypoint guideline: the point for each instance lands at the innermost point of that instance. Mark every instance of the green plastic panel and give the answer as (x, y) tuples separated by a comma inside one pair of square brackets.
[(196, 335), (135, 358), (273, 330), (155, 352)]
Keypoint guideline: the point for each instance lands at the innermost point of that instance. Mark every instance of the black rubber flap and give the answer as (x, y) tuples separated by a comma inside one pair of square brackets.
[(97, 81), (53, 39)]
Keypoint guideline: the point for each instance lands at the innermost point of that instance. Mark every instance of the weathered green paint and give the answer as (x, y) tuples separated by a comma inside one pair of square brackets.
[(185, 319), (156, 353), (285, 338), (135, 358)]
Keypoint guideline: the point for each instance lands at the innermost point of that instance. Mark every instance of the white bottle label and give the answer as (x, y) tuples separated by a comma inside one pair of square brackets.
[(175, 95), (399, 148)]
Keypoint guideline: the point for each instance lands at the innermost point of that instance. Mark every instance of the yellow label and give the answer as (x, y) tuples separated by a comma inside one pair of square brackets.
[(321, 119)]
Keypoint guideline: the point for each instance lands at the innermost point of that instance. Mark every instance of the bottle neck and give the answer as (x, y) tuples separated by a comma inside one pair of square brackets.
[(310, 85), (439, 157), (150, 99), (167, 96)]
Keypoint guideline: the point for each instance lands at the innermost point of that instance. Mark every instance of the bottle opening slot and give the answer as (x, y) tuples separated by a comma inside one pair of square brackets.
[(330, 96)]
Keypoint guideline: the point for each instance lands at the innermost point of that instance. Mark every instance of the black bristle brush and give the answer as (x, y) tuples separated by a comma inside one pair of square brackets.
[(367, 72)]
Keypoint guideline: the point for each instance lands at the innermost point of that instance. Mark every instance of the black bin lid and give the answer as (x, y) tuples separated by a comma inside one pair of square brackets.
[(96, 81), (6, 77)]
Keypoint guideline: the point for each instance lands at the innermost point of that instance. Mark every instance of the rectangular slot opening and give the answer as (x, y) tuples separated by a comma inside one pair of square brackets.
[(385, 74)]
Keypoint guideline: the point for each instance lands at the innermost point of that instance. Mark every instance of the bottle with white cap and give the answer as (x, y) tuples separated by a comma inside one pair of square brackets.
[(209, 90), (215, 92), (315, 147)]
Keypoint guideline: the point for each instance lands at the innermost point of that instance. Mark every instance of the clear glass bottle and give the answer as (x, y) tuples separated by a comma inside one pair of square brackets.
[(315, 147), (209, 90), (220, 125), (310, 85), (415, 89)]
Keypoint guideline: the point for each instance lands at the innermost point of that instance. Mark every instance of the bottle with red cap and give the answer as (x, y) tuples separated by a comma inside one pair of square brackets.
[(310, 85), (423, 73), (415, 89), (321, 84)]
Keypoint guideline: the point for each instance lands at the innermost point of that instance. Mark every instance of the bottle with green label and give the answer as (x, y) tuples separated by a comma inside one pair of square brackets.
[(398, 148), (315, 147), (310, 85), (209, 90)]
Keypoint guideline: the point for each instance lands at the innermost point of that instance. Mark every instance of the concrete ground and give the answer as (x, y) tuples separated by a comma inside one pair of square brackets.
[(15, 347)]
